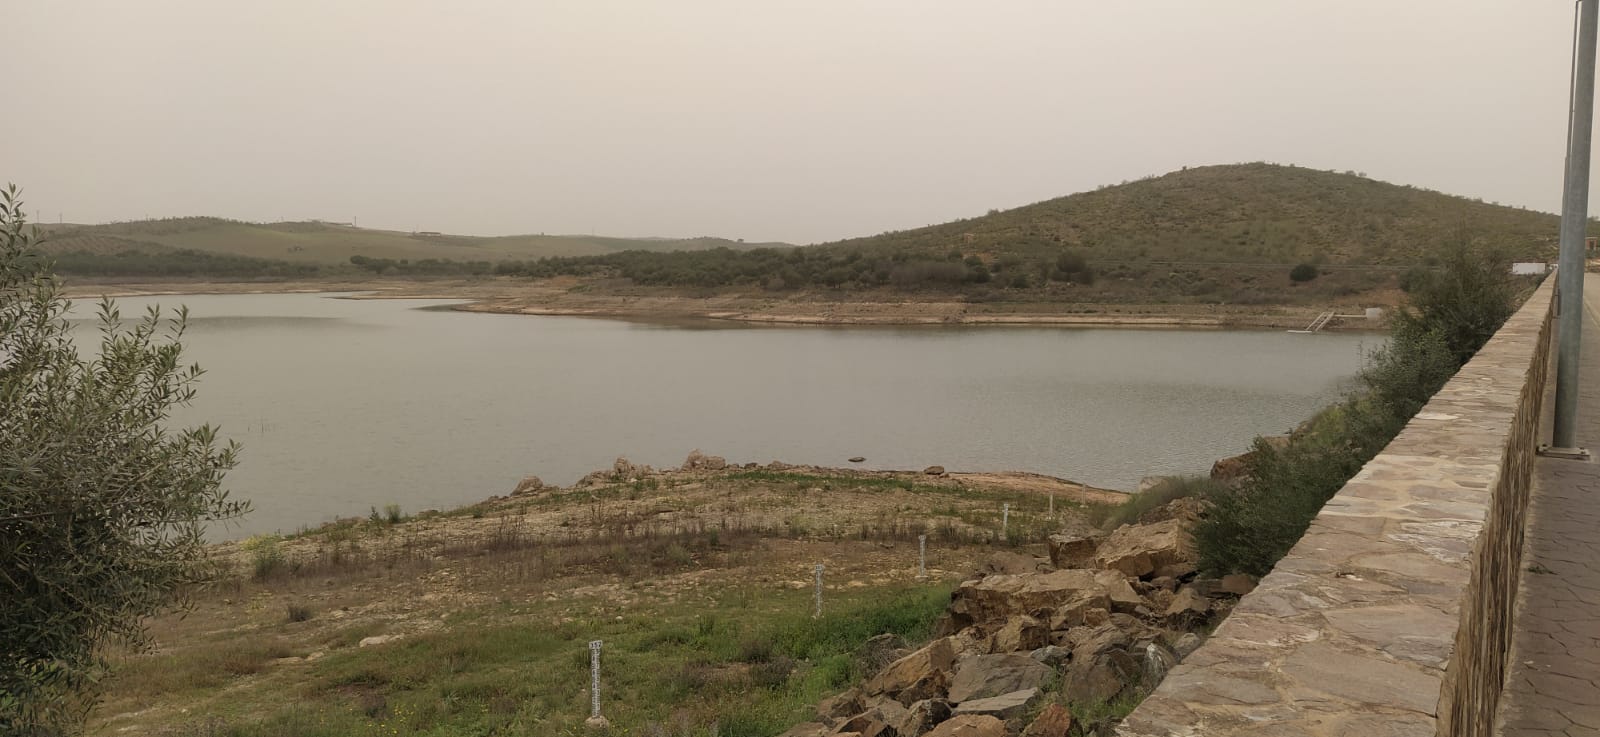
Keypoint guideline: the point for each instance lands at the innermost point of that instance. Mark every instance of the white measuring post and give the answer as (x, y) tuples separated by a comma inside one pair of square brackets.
[(1005, 519), (922, 556), (594, 679), (817, 613), (1052, 505)]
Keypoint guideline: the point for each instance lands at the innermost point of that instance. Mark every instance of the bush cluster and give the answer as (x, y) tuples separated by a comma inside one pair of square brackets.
[(179, 263), (779, 269), (423, 267), (1452, 313)]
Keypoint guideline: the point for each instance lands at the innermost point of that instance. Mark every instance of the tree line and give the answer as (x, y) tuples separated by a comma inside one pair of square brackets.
[(810, 268)]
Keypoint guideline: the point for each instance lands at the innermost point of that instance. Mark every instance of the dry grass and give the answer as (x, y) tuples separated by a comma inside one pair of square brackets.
[(697, 578)]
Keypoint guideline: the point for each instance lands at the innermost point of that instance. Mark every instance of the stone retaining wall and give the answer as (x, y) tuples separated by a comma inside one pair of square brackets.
[(1392, 616)]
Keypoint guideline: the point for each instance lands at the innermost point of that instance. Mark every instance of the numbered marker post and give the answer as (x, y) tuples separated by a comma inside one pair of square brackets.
[(594, 679), (817, 613), (1052, 505), (922, 556), (1005, 518)]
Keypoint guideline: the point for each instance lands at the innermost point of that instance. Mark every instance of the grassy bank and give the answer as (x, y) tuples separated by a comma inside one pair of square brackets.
[(698, 583), (739, 663)]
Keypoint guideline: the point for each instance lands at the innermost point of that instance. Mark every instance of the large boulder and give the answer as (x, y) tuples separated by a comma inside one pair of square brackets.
[(1158, 660), (1186, 644), (1237, 584), (1097, 679), (917, 671), (1232, 468), (970, 725), (1051, 655), (982, 676), (922, 716), (834, 708), (879, 721), (1187, 608), (1088, 642), (1006, 706), (595, 478), (1163, 549), (1072, 551), (1053, 721), (1186, 508), (625, 470), (1007, 562), (1237, 468), (528, 485), (996, 598), (1019, 634), (697, 461)]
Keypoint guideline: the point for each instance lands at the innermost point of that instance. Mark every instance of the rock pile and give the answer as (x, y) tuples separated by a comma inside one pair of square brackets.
[(1105, 617), (626, 471)]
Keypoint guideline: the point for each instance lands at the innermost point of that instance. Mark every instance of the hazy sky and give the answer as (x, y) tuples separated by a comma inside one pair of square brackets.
[(800, 120)]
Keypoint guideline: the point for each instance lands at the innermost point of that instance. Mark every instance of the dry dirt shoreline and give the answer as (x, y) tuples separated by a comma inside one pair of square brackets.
[(568, 297)]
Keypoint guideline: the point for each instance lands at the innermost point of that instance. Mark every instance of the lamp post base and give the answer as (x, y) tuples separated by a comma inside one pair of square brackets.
[(1570, 454)]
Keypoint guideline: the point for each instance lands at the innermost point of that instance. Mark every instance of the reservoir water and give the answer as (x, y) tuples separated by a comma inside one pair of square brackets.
[(342, 405)]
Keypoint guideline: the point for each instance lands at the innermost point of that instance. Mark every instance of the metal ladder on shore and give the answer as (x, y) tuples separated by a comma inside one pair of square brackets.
[(1318, 324)]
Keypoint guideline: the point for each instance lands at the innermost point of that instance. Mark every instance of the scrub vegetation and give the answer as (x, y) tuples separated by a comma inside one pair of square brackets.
[(1249, 234), (1451, 314)]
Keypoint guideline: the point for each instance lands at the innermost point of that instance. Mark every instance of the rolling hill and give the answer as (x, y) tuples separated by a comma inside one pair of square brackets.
[(1217, 234), (327, 244), (1228, 234), (1245, 213)]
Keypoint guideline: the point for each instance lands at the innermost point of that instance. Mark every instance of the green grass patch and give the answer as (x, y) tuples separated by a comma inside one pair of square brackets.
[(746, 664)]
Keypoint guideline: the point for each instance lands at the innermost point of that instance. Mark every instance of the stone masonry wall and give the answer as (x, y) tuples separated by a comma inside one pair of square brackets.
[(1392, 616)]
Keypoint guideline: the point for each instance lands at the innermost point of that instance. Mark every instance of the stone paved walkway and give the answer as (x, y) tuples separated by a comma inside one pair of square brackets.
[(1553, 689)]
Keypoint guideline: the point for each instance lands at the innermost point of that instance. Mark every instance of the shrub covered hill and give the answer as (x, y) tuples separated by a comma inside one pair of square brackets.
[(1222, 234), (1237, 234)]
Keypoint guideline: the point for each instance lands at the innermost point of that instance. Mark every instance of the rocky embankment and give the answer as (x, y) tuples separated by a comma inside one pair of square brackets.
[(1047, 648)]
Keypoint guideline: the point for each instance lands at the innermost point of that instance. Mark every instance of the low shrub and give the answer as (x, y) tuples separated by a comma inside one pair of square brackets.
[(773, 674), (1167, 490), (267, 560), (1451, 314)]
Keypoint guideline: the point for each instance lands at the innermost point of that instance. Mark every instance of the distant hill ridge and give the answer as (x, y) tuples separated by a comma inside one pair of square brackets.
[(1225, 234), (323, 243)]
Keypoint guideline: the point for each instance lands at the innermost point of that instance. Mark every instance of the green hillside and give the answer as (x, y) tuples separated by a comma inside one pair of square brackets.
[(327, 244), (1253, 213), (1217, 234)]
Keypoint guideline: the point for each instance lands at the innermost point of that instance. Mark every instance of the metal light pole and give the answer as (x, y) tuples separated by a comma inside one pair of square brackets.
[(1574, 226)]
